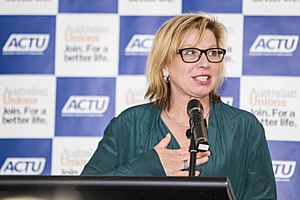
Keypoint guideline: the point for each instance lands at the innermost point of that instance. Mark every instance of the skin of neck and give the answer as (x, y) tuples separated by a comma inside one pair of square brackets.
[(178, 106)]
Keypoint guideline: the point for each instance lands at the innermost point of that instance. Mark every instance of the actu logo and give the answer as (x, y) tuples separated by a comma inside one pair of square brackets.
[(31, 44), (283, 169), (277, 45), (228, 100), (85, 106), (23, 166), (139, 45)]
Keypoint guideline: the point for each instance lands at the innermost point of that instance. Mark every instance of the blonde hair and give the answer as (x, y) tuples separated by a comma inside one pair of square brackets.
[(165, 45)]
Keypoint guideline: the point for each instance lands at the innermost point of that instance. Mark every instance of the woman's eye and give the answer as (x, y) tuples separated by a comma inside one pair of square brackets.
[(190, 52), (213, 53)]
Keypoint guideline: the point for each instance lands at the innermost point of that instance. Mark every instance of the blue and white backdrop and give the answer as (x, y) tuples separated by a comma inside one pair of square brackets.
[(68, 66)]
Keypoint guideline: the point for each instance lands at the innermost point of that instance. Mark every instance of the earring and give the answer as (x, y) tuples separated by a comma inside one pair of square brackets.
[(167, 79)]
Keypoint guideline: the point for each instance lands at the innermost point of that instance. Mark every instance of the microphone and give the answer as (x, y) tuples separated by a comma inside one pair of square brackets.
[(198, 128)]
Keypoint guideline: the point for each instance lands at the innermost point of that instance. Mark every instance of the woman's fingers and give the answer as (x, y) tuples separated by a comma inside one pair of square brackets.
[(176, 162), (164, 142)]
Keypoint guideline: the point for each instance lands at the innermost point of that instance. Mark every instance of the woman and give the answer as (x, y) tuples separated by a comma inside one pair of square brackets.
[(149, 140)]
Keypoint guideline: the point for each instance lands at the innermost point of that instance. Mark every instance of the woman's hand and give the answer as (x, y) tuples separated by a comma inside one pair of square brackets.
[(175, 161)]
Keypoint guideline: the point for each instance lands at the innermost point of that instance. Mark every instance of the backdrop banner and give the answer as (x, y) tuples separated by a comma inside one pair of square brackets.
[(68, 67)]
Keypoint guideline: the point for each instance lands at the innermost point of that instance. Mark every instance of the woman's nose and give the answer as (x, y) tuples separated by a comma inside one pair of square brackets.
[(203, 61)]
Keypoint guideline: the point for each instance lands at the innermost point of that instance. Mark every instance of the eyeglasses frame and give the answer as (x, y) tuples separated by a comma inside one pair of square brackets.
[(179, 51)]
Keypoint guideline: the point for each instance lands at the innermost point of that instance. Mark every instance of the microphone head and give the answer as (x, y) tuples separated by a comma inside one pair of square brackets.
[(194, 104)]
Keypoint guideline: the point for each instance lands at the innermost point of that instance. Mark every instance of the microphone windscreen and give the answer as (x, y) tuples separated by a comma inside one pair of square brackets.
[(194, 103)]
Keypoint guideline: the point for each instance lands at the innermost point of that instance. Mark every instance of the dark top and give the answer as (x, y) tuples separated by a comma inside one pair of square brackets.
[(237, 143)]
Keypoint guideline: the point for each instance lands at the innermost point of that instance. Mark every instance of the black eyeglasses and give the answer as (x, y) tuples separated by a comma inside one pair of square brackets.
[(192, 55)]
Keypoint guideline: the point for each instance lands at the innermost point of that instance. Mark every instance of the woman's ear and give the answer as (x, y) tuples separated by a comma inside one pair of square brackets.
[(166, 75), (165, 72)]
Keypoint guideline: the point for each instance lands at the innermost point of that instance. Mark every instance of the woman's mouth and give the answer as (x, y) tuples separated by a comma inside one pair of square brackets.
[(202, 78)]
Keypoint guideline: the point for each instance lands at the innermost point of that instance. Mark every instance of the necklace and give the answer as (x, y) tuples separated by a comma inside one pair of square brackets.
[(176, 122), (182, 124)]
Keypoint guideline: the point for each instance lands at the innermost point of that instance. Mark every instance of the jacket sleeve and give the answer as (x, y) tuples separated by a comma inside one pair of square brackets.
[(115, 157), (260, 180)]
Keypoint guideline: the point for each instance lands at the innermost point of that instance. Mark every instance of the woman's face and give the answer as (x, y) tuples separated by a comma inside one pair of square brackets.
[(193, 80)]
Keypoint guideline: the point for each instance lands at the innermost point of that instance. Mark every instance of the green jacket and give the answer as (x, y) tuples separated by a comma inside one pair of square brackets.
[(237, 142)]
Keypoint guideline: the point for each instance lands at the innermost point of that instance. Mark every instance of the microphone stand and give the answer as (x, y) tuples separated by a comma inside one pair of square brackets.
[(193, 153)]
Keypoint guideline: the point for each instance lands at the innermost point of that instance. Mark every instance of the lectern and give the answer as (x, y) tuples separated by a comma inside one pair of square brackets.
[(114, 188)]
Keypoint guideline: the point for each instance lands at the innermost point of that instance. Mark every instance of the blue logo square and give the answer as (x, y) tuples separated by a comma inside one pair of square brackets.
[(271, 46), (84, 106), (136, 41), (90, 6), (216, 6), (286, 157), (230, 92), (20, 156), (28, 44)]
